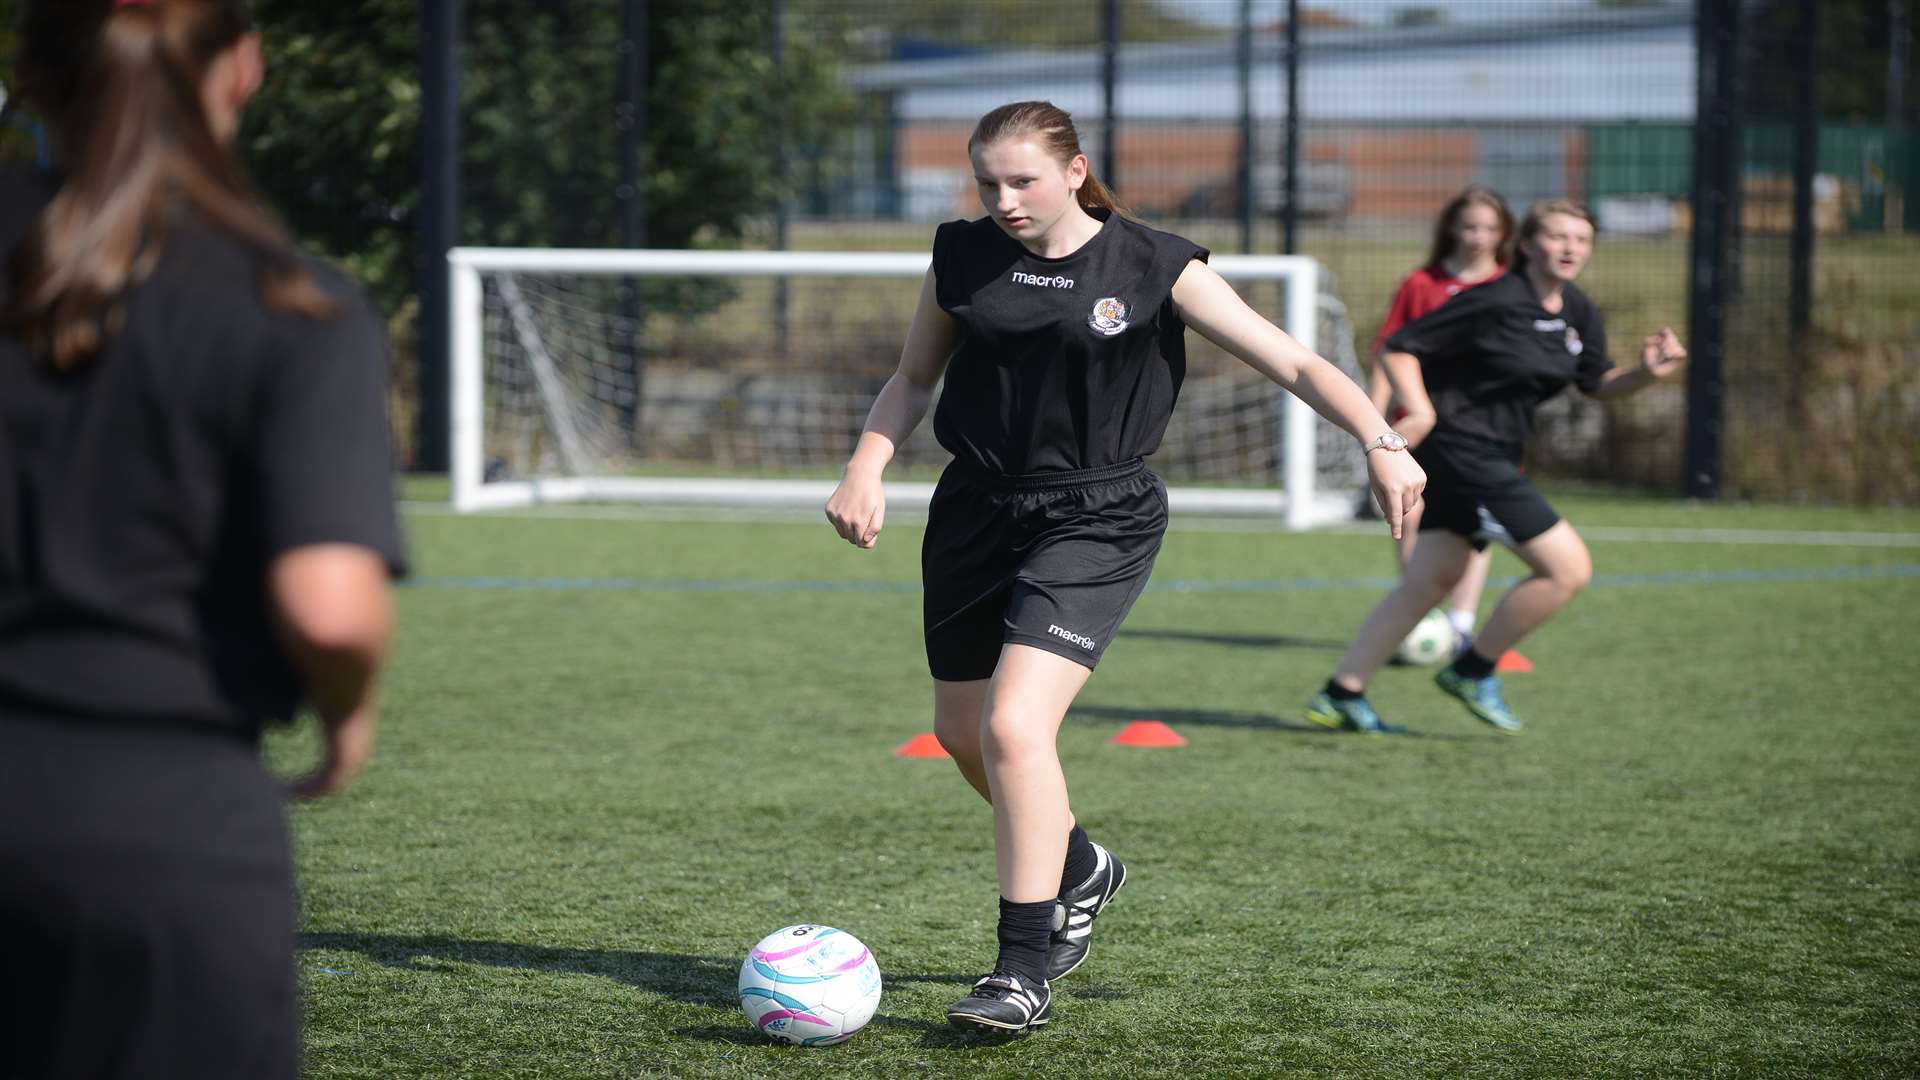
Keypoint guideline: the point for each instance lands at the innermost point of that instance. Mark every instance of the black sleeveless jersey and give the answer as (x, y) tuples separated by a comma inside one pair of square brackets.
[(1491, 356), (1067, 363)]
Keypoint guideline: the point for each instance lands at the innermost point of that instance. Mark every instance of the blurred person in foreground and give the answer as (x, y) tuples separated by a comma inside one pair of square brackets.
[(197, 535)]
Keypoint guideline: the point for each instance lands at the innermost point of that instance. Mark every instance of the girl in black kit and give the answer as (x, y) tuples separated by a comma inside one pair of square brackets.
[(196, 534), (1470, 375), (1059, 325)]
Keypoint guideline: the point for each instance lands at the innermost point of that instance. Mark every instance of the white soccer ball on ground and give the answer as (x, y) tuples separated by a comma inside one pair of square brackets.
[(1433, 640), (809, 985)]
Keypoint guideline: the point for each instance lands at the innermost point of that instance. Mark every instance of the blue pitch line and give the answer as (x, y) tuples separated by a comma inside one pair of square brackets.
[(1679, 577)]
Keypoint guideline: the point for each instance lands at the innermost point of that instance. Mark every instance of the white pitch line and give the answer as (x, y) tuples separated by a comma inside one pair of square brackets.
[(1263, 526)]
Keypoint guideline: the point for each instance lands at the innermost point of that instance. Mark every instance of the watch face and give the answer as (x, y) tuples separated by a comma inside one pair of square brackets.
[(1393, 440)]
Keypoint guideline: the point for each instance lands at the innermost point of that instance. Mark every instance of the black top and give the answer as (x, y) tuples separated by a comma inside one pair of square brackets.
[(143, 494), (1068, 363), (1491, 355)]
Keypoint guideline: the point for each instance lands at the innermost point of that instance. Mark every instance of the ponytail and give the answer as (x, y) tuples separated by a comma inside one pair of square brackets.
[(120, 85), (1052, 128), (1093, 194)]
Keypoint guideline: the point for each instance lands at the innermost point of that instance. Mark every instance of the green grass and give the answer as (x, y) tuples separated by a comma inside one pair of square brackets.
[(1702, 859)]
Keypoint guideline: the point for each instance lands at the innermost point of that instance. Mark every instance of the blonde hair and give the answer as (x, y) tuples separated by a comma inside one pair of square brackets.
[(1052, 128)]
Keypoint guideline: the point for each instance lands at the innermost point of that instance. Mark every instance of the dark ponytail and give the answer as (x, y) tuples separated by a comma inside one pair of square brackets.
[(119, 84), (1052, 128)]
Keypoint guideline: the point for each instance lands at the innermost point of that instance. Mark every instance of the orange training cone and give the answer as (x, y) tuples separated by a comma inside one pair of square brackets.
[(1511, 662), (1148, 733), (922, 745)]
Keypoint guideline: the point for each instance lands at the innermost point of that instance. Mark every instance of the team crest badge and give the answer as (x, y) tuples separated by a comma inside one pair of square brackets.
[(1574, 345), (1109, 316)]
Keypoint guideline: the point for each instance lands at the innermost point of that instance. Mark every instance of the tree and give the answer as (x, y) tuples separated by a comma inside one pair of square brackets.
[(1853, 39)]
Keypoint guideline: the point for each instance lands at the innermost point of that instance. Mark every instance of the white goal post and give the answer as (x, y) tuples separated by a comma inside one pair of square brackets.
[(651, 376)]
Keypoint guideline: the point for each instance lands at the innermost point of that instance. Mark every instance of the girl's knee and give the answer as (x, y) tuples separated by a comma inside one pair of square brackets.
[(1576, 578), (958, 732), (1011, 736)]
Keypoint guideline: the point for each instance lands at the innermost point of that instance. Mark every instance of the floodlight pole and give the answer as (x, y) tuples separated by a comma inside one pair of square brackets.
[(439, 232)]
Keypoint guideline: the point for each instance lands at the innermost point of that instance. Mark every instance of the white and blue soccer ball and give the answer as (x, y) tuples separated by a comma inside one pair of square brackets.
[(1433, 640), (809, 985)]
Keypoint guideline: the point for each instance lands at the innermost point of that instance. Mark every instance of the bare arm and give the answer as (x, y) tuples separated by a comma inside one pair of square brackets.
[(1210, 306), (335, 611), (1410, 388), (1661, 354), (858, 506)]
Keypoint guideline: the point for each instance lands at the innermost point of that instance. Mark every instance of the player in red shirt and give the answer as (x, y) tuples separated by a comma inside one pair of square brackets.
[(1472, 244)]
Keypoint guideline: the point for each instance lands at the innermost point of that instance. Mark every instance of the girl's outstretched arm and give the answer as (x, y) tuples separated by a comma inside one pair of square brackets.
[(1210, 306), (858, 506)]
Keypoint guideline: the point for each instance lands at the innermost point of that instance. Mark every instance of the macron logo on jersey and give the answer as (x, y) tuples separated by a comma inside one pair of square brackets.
[(1021, 277), (1086, 643)]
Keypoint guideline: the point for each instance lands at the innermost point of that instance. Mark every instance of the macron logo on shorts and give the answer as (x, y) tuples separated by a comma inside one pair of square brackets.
[(1021, 277), (1086, 643)]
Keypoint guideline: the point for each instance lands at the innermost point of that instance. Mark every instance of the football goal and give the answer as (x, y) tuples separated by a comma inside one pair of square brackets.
[(743, 378)]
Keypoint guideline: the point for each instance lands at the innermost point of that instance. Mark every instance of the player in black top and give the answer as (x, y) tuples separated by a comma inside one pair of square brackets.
[(1059, 325), (196, 533), (1471, 375)]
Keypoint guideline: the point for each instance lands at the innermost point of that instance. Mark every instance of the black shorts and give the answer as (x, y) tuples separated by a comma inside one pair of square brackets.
[(146, 902), (1476, 489), (1051, 560)]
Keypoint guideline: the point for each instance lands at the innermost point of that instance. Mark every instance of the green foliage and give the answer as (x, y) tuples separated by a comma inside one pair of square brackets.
[(334, 139), (1002, 23), (1852, 40)]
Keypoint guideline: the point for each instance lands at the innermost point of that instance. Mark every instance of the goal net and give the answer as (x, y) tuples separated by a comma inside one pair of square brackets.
[(743, 378)]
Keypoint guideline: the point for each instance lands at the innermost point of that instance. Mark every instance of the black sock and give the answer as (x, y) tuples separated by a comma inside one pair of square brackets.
[(1341, 693), (1025, 932), (1471, 665), (1081, 860)]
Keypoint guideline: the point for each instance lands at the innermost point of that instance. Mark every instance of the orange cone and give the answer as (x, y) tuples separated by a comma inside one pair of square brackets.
[(924, 745), (1148, 733), (1511, 662)]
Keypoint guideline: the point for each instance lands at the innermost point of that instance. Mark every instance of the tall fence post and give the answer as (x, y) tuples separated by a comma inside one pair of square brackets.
[(1109, 91), (630, 115), (1806, 155), (440, 33), (1243, 57), (1290, 222), (1716, 149)]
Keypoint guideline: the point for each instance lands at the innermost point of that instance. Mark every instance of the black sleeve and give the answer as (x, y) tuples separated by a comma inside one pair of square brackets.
[(1594, 363), (322, 457), (946, 241), (1448, 330)]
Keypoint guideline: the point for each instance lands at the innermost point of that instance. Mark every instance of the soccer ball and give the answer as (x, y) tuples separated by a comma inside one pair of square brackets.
[(809, 985), (1433, 640)]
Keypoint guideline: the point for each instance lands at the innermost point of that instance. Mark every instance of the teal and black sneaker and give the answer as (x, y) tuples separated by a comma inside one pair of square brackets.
[(1353, 714), (1482, 698)]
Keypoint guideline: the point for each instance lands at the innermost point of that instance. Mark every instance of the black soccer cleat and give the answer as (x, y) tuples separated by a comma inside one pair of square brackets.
[(1074, 912), (1002, 1004)]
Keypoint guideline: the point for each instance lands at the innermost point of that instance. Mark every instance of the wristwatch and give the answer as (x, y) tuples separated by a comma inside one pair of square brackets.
[(1387, 440)]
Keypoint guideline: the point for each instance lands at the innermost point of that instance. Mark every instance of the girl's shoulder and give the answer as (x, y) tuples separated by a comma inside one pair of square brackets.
[(1157, 247)]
